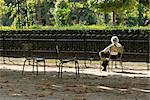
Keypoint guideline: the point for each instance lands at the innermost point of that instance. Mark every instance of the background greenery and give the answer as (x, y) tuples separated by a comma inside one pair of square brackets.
[(74, 14)]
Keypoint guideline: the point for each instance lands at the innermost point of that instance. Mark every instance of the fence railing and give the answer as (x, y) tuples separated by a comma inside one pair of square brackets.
[(80, 43)]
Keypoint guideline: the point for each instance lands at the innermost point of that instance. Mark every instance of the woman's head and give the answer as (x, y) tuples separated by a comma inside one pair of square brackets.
[(114, 39)]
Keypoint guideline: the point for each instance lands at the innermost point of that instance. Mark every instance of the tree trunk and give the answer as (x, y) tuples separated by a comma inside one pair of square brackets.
[(106, 18), (140, 15), (114, 18), (46, 13), (38, 12)]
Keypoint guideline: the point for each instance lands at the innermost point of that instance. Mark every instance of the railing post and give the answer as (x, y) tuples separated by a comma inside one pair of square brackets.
[(3, 51), (148, 50), (85, 49)]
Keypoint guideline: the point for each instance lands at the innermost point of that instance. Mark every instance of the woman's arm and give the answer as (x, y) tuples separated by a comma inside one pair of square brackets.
[(107, 49)]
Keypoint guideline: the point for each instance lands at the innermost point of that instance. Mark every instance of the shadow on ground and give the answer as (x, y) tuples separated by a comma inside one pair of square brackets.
[(87, 87)]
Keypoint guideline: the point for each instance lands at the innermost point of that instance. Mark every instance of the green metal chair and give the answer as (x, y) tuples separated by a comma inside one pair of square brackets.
[(108, 57), (63, 61), (28, 53)]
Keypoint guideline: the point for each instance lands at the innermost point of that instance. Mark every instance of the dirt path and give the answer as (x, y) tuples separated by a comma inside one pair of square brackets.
[(92, 85)]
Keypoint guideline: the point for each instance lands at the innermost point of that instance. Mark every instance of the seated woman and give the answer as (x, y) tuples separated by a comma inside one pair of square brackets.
[(112, 51)]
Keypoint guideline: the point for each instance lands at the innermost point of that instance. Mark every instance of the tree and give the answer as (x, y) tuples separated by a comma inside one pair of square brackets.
[(146, 3), (144, 9), (22, 13), (3, 11), (19, 13), (47, 7), (38, 12), (114, 6), (62, 13), (31, 12)]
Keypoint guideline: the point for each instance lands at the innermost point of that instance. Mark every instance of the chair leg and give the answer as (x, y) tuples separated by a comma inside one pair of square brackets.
[(33, 66), (115, 64), (36, 68), (111, 66), (23, 67), (147, 65), (78, 69), (44, 67), (108, 66), (100, 67), (59, 69), (90, 61), (121, 65), (4, 60), (29, 62), (85, 63)]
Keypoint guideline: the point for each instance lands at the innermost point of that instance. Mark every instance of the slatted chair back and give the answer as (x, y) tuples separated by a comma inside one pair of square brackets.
[(27, 49), (63, 61), (118, 51)]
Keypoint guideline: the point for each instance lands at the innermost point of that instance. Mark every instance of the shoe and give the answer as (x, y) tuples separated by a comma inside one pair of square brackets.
[(104, 69)]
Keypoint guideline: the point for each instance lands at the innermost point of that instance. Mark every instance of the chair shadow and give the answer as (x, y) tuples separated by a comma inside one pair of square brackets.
[(114, 82)]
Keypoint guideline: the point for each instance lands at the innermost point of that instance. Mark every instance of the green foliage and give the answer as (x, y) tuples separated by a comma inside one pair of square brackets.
[(111, 5), (61, 13), (78, 27), (3, 11), (31, 12), (47, 9), (69, 12), (117, 5), (132, 21), (146, 3), (62, 16), (2, 7), (7, 27)]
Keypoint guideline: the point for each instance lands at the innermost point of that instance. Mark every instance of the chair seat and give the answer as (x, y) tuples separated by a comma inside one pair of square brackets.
[(111, 58), (117, 59), (29, 58), (39, 59), (68, 60), (64, 60), (102, 59)]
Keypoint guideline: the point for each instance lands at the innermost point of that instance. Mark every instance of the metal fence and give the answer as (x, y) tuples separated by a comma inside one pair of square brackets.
[(80, 43)]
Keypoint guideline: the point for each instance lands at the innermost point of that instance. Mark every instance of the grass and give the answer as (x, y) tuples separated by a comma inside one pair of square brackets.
[(77, 27)]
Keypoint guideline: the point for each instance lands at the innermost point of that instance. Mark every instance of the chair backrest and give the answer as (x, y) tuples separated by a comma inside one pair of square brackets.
[(27, 49), (103, 56), (117, 50), (58, 53), (57, 49)]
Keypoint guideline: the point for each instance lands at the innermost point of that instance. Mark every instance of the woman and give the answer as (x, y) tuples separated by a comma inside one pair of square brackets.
[(112, 51)]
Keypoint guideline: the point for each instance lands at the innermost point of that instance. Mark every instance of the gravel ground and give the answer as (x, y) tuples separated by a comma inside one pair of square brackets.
[(132, 84)]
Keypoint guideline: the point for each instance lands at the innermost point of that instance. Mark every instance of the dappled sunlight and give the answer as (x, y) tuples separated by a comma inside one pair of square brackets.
[(124, 89), (91, 83), (105, 88), (14, 84)]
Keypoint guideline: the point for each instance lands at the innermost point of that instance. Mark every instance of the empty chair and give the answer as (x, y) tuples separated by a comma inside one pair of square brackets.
[(28, 53), (63, 61), (37, 60)]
